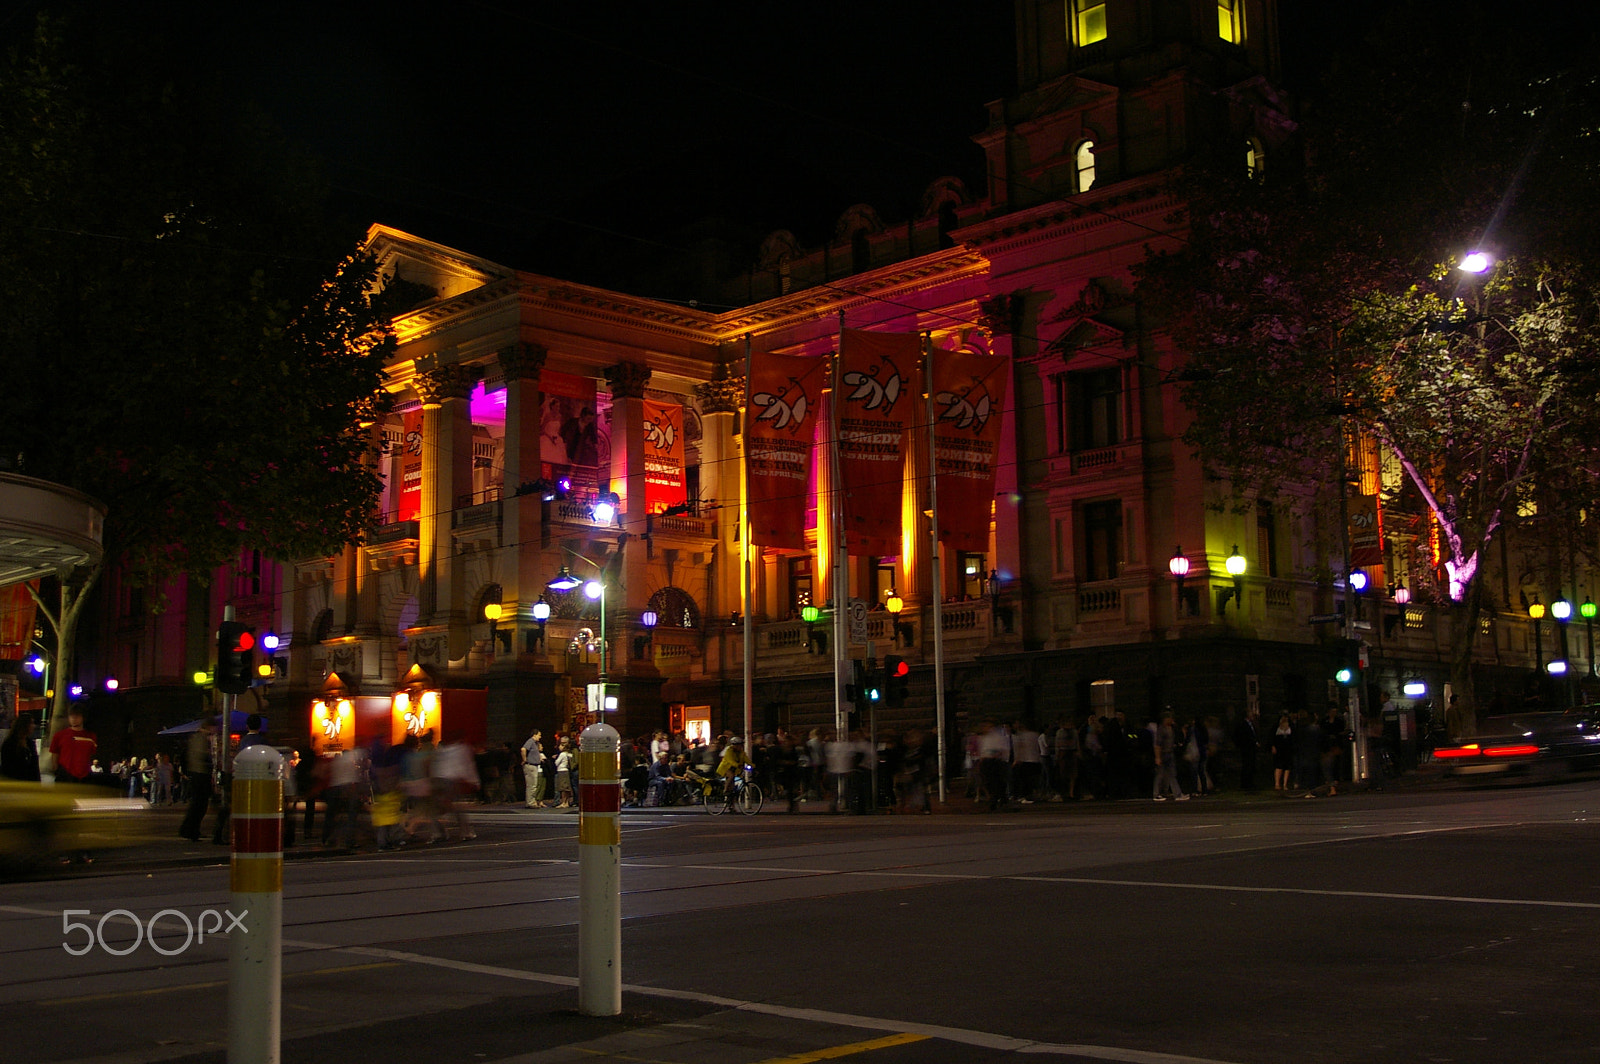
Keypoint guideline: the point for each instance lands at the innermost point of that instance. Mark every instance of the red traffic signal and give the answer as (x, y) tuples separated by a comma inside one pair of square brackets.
[(235, 670), (897, 667)]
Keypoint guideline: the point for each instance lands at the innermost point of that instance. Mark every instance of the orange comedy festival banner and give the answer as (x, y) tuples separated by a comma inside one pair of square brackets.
[(663, 455), (877, 392), (780, 436), (969, 391)]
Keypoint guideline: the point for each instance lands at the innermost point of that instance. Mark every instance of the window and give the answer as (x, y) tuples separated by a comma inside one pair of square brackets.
[(1230, 20), (1255, 159), (1083, 159), (860, 251), (1102, 540), (1267, 537), (801, 575), (1102, 697), (884, 573), (1089, 21), (972, 573), (1092, 409)]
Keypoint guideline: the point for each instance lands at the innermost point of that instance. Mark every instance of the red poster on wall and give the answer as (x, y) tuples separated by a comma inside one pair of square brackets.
[(969, 391), (877, 396), (779, 441), (663, 455), (410, 505)]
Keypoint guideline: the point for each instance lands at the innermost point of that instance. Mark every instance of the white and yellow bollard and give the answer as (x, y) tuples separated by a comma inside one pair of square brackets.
[(255, 940), (599, 879)]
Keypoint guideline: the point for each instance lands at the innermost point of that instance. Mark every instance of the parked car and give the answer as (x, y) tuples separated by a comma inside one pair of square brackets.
[(39, 821), (1523, 742)]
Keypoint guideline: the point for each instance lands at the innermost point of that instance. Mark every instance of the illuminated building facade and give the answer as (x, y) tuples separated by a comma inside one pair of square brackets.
[(524, 402)]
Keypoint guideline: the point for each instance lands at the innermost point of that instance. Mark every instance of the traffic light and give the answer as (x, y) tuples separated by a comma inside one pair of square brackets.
[(235, 658), (867, 691), (896, 678), (1349, 670)]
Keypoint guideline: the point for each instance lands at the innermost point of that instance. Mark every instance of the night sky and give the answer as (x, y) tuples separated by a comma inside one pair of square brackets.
[(568, 139), (580, 140)]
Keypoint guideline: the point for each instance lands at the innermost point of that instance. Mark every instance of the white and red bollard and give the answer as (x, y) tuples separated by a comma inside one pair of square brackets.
[(599, 868), (255, 940)]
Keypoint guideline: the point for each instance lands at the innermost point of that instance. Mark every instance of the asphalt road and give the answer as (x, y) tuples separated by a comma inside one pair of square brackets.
[(1446, 924)]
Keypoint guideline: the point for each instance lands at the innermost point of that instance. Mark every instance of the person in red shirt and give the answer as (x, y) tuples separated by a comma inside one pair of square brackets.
[(73, 747)]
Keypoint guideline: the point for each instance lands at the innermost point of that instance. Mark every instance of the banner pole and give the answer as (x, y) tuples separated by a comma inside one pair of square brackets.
[(935, 565), (841, 555), (744, 554)]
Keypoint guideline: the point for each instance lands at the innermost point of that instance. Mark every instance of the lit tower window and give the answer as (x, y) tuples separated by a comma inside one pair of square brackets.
[(1089, 21), (1230, 20)]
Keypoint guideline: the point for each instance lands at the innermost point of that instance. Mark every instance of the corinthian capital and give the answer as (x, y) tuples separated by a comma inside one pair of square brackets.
[(522, 362), (723, 393), (628, 380), (452, 381)]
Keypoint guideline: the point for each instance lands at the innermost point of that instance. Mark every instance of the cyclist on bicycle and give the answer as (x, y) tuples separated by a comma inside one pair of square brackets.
[(731, 765)]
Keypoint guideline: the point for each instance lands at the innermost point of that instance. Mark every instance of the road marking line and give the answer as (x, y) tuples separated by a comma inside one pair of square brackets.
[(1375, 894), (206, 986), (959, 1035), (850, 1050)]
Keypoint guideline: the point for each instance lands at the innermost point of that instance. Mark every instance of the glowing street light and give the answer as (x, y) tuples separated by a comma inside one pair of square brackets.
[(1476, 262)]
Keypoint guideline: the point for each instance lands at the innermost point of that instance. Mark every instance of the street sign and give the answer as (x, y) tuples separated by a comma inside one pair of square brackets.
[(856, 612), (1324, 618)]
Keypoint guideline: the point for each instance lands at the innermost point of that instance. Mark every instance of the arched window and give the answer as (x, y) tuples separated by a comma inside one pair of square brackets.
[(674, 608), (1083, 160), (860, 251), (1255, 159)]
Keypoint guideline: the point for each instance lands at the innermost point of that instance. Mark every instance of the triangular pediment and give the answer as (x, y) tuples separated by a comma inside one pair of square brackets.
[(421, 273)]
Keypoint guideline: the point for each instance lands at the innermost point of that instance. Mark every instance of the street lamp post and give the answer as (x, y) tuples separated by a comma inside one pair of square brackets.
[(1236, 566), (1561, 610), (1536, 612), (1588, 612), (596, 589), (903, 631), (1178, 566)]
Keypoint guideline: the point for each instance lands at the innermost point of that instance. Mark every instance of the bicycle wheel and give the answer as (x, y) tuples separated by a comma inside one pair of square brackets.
[(748, 800), (716, 803)]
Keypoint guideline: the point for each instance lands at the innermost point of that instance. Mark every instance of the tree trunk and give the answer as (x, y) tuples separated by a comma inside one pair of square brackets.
[(1461, 722), (74, 592)]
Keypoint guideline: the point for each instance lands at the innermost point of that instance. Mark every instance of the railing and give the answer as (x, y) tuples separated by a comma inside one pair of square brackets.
[(393, 532), (682, 524), (471, 516), (1099, 600), (784, 635), (1096, 459), (490, 494), (1280, 597), (963, 618)]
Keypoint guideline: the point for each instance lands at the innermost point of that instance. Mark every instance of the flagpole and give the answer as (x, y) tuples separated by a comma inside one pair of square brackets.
[(934, 563), (744, 557), (841, 556)]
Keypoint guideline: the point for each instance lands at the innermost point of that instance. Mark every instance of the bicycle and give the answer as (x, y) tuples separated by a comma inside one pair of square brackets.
[(740, 793)]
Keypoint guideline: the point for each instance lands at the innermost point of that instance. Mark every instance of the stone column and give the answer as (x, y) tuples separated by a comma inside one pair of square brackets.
[(522, 516), (446, 472), (721, 457), (639, 682), (998, 317)]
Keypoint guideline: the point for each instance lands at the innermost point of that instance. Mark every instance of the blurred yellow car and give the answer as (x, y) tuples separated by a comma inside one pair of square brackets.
[(40, 821)]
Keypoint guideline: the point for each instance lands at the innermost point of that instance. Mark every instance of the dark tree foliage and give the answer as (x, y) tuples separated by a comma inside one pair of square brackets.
[(1317, 301), (187, 338)]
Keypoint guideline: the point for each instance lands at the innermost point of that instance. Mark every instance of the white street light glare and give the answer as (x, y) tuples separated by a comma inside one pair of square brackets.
[(1476, 262)]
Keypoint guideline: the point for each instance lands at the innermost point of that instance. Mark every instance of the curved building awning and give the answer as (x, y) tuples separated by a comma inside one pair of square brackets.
[(45, 529)]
